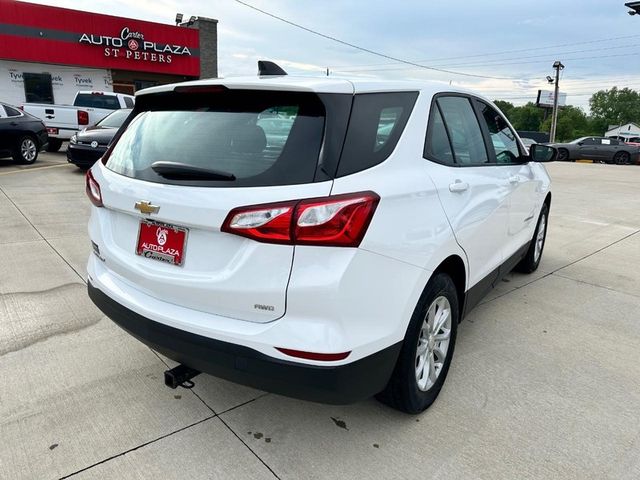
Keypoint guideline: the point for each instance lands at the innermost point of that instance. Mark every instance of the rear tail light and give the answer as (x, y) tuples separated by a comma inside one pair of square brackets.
[(93, 190), (83, 117), (341, 220)]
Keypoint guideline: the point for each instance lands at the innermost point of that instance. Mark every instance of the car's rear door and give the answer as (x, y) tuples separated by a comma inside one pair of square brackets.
[(152, 221), (505, 151), (474, 191)]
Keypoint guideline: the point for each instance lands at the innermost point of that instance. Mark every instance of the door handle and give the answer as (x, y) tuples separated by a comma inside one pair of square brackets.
[(458, 187), (514, 179)]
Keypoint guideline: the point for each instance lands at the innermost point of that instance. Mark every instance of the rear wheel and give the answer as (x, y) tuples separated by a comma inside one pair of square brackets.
[(427, 350), (54, 145), (563, 155), (26, 150), (531, 260), (621, 158)]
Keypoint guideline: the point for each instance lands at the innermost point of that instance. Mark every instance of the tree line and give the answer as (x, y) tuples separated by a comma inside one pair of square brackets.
[(608, 107)]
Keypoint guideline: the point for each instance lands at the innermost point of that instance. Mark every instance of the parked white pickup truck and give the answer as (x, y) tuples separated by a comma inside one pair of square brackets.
[(89, 107)]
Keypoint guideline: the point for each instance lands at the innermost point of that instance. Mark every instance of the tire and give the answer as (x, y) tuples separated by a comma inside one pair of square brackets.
[(53, 145), (563, 155), (407, 390), (622, 158), (531, 260), (26, 150)]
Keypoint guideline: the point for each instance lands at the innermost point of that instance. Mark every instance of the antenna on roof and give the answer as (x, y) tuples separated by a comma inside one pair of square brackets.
[(266, 68)]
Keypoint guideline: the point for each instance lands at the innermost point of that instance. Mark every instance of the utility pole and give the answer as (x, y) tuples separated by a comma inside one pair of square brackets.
[(554, 118)]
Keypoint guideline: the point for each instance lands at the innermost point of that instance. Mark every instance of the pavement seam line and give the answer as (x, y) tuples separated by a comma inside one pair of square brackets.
[(138, 447), (565, 266), (41, 235), (249, 448), (26, 170), (596, 285), (225, 411)]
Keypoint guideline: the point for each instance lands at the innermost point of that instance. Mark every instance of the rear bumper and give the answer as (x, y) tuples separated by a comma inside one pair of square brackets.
[(341, 384)]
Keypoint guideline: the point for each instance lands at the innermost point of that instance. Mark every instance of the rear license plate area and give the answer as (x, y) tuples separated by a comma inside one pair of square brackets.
[(162, 242)]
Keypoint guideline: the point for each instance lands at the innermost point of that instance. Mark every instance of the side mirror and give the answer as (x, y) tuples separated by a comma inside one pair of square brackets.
[(542, 153)]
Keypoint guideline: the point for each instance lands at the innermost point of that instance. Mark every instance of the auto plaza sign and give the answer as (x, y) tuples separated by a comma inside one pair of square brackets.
[(133, 45), (35, 33)]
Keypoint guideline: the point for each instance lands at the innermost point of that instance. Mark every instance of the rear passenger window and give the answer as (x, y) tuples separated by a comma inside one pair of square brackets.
[(437, 146), (464, 131), (376, 124)]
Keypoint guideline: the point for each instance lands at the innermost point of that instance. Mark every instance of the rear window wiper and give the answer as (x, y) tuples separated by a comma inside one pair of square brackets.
[(184, 171)]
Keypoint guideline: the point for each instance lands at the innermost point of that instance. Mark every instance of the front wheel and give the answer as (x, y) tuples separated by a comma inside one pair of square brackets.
[(563, 155), (26, 150), (531, 260), (427, 350)]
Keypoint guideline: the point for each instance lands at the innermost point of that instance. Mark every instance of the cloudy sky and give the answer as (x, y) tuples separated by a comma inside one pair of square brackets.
[(512, 41)]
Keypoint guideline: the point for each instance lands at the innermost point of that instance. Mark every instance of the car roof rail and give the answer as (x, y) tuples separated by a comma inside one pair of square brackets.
[(267, 68)]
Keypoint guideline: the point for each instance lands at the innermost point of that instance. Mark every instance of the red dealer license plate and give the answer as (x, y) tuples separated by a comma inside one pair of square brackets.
[(162, 242), (52, 131)]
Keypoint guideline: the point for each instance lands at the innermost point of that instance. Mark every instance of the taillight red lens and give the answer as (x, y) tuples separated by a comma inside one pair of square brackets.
[(83, 117), (266, 223), (93, 190), (341, 220)]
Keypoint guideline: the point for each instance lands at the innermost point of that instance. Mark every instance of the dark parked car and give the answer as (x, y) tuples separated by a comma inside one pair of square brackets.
[(598, 149), (89, 145), (22, 135)]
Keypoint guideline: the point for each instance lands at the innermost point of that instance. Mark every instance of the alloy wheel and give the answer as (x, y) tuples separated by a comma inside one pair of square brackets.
[(433, 343), (28, 150), (542, 228)]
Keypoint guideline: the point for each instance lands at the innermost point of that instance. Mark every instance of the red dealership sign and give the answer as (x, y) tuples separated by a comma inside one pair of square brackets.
[(38, 33)]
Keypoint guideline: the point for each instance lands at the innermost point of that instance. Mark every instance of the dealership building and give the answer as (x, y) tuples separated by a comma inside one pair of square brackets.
[(47, 54)]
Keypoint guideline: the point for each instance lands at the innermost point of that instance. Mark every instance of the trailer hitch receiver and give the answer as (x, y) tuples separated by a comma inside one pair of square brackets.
[(180, 376)]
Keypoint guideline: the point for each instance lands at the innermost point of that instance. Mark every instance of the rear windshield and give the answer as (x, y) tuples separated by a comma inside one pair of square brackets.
[(115, 119), (96, 100), (251, 138)]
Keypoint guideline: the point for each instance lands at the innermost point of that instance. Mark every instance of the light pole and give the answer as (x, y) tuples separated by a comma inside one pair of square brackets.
[(554, 116)]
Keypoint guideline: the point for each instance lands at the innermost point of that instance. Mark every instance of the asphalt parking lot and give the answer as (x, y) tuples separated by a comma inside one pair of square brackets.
[(545, 381)]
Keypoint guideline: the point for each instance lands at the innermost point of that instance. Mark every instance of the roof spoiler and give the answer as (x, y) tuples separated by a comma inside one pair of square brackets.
[(266, 68)]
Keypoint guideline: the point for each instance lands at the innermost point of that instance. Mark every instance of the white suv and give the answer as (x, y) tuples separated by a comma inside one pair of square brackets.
[(317, 238)]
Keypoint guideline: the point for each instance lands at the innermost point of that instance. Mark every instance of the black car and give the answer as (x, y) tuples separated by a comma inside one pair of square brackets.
[(598, 149), (22, 135), (89, 145)]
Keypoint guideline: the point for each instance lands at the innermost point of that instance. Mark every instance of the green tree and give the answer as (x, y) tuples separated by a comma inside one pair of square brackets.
[(527, 117), (572, 123), (505, 107), (616, 106)]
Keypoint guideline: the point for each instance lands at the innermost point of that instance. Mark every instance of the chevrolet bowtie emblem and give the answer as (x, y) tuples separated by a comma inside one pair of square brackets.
[(146, 207)]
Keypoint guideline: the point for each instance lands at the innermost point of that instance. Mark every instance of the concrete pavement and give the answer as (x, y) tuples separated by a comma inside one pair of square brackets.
[(544, 382)]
